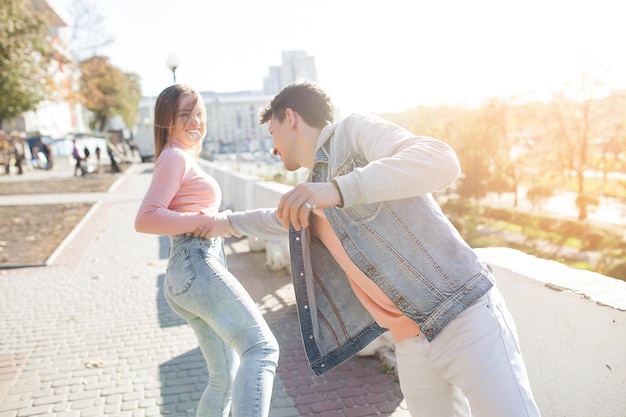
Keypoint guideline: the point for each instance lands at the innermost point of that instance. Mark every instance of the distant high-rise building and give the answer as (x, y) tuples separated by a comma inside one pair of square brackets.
[(296, 65), (271, 83)]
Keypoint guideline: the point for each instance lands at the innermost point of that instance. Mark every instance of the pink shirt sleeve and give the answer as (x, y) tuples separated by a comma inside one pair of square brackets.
[(178, 192)]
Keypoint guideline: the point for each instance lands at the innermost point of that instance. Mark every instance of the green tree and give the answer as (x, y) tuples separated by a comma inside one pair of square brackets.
[(538, 195), (107, 91), (473, 183), (579, 119), (612, 141), (24, 56), (128, 101), (584, 202)]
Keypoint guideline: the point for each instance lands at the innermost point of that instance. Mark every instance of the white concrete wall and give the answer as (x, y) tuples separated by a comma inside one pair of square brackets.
[(571, 323), (572, 328), (243, 191)]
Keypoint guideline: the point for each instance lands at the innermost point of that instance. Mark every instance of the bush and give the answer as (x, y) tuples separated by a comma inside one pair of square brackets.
[(591, 238), (618, 271)]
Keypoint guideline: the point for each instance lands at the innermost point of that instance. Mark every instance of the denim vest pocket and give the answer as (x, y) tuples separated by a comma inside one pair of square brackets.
[(180, 273), (361, 214)]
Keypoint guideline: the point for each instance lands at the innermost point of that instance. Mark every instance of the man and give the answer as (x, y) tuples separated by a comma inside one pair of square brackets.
[(372, 251)]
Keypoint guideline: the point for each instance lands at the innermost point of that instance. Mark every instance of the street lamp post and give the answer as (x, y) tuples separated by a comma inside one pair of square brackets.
[(172, 63)]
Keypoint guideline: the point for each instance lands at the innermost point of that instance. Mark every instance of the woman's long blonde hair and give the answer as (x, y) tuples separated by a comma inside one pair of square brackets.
[(165, 110)]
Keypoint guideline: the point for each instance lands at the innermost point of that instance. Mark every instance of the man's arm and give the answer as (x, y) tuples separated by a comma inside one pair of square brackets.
[(401, 164), (259, 223)]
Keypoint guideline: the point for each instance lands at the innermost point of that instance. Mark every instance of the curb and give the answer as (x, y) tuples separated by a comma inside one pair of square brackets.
[(70, 236)]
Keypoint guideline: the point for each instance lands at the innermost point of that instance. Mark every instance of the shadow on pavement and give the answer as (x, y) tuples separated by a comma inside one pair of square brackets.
[(183, 380), (361, 386), (167, 317), (164, 247)]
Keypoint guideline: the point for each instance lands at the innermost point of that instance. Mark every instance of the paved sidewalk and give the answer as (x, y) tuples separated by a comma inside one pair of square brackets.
[(92, 335)]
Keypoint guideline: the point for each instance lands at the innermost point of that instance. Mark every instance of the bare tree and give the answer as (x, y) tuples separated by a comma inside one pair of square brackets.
[(578, 118), (88, 33), (612, 142)]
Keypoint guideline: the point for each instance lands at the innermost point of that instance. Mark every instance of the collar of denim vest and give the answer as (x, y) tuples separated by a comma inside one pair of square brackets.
[(325, 135)]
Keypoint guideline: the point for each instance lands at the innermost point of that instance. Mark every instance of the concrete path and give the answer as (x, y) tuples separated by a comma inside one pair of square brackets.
[(92, 335)]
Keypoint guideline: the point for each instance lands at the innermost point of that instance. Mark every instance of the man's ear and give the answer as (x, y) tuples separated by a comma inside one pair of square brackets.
[(290, 117)]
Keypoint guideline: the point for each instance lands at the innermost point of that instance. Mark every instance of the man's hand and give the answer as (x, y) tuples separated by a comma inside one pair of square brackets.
[(296, 205), (217, 225), (204, 231), (222, 226)]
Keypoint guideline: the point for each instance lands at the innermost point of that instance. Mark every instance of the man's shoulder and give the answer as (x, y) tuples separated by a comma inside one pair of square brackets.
[(362, 118)]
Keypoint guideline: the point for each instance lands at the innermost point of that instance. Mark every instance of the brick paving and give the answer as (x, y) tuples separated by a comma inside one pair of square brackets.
[(92, 335)]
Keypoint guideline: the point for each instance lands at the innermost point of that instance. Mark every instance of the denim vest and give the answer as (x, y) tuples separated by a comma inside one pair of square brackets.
[(407, 247)]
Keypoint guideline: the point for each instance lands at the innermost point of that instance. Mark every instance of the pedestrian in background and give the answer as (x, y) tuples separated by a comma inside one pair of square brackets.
[(240, 350), (115, 168), (19, 144), (50, 155), (78, 157), (372, 251), (5, 151)]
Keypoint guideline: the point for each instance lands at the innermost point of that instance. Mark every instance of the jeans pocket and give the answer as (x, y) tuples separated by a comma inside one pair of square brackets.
[(180, 273), (507, 322)]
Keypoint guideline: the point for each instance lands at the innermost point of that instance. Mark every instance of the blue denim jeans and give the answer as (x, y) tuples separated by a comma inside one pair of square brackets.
[(240, 350)]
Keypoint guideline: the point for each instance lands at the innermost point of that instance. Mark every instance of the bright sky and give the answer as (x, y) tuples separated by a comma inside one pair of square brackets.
[(373, 56)]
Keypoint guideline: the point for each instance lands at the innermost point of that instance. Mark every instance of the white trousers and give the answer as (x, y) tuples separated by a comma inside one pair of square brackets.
[(473, 367)]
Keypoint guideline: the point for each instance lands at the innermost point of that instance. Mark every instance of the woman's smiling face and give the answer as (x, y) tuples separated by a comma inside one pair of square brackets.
[(190, 122)]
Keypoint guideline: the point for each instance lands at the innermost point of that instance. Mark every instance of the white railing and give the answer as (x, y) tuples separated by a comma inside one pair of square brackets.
[(571, 323)]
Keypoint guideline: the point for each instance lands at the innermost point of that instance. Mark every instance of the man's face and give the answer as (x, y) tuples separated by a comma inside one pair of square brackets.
[(284, 138)]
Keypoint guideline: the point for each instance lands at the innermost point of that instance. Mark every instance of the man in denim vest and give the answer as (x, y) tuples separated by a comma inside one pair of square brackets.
[(371, 251)]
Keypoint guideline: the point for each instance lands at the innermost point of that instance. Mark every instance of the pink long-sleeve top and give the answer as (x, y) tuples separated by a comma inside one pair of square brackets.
[(180, 190)]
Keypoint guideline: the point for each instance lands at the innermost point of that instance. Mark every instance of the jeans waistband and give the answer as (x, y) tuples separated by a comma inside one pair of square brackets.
[(182, 239)]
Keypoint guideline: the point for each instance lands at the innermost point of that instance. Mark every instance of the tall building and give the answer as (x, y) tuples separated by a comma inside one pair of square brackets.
[(233, 122), (296, 65)]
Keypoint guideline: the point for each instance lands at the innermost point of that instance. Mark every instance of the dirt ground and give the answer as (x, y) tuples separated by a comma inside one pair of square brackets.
[(29, 234)]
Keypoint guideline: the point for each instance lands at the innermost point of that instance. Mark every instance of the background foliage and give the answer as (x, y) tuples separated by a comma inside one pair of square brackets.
[(571, 141), (28, 59), (108, 91), (24, 58)]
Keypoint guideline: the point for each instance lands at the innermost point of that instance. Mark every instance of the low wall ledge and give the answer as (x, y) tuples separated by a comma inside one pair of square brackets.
[(605, 291)]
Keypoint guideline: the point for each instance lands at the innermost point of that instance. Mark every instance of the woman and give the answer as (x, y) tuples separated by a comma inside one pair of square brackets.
[(182, 201)]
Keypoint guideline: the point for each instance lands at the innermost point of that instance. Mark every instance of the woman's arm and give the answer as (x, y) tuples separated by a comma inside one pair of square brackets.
[(154, 216)]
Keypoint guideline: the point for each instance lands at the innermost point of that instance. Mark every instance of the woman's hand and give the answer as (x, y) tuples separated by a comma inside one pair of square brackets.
[(296, 205)]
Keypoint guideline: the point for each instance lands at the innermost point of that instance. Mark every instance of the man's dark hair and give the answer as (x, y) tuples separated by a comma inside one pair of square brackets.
[(305, 98)]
